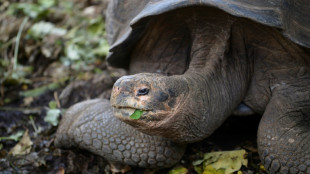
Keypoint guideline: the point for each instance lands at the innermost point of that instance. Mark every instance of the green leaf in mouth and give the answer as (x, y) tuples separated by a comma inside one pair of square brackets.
[(137, 114)]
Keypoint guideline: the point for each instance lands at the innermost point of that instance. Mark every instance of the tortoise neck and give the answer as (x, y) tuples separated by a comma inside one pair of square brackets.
[(216, 81)]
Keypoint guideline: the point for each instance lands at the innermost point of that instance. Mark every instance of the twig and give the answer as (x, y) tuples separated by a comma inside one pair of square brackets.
[(36, 130), (34, 110), (17, 42), (57, 99)]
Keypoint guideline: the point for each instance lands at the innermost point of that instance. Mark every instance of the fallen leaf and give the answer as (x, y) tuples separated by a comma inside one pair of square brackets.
[(262, 168), (40, 29), (52, 116), (14, 137), (178, 170), (52, 104), (23, 146), (41, 90), (211, 170), (27, 101), (225, 162), (34, 159)]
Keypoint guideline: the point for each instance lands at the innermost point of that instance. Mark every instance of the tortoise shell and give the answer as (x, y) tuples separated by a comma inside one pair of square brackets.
[(127, 20)]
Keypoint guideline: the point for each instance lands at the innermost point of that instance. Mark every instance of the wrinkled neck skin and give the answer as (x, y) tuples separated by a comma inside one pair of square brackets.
[(216, 81), (214, 84), (211, 88)]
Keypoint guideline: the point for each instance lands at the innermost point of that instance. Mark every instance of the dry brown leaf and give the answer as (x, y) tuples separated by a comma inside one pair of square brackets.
[(23, 146)]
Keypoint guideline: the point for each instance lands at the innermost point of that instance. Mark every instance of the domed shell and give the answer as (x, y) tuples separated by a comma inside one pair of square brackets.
[(127, 20)]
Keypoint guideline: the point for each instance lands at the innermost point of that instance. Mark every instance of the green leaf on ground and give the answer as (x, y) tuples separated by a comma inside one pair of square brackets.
[(136, 115), (41, 90), (47, 3), (96, 27), (14, 137), (41, 29), (225, 162), (52, 104), (52, 116), (28, 9), (178, 170)]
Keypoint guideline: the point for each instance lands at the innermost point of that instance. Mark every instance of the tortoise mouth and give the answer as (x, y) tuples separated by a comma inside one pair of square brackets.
[(127, 111)]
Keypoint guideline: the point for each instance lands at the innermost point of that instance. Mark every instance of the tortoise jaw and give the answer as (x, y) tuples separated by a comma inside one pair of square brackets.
[(126, 112), (123, 112)]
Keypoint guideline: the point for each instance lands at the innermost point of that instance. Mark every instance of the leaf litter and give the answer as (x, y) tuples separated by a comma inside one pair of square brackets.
[(23, 147), (224, 162)]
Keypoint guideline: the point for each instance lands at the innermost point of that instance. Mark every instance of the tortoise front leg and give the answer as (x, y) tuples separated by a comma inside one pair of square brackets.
[(284, 131), (90, 125)]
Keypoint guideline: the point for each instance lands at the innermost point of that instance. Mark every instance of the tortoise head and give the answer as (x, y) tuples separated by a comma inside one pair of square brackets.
[(158, 96)]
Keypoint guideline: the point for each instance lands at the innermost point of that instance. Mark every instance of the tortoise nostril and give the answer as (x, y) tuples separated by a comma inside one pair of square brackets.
[(143, 91)]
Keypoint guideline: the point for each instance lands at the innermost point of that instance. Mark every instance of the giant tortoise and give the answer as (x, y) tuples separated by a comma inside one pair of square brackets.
[(194, 62)]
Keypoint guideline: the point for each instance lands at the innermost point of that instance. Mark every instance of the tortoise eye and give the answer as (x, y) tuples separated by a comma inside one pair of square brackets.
[(143, 91)]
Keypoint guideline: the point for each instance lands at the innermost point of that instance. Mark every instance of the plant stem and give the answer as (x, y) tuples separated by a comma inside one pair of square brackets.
[(17, 42)]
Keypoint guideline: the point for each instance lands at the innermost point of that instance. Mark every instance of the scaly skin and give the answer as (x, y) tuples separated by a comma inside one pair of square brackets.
[(283, 135), (91, 125), (232, 60)]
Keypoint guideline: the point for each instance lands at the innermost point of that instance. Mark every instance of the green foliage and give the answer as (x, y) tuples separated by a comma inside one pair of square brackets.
[(47, 3), (14, 77), (52, 104), (17, 72), (40, 90), (36, 129), (80, 38), (41, 29), (17, 136), (31, 10), (178, 170), (225, 162), (53, 114), (85, 44), (136, 115)]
